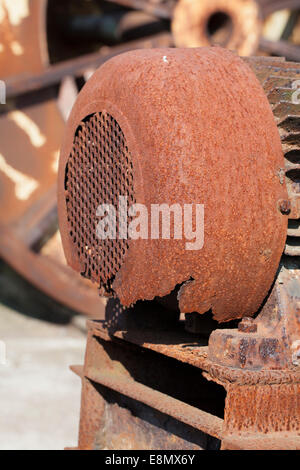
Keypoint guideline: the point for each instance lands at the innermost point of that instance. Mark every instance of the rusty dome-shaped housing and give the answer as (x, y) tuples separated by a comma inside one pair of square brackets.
[(176, 126)]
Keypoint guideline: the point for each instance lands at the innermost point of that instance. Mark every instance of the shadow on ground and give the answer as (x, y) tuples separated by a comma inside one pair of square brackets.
[(19, 295)]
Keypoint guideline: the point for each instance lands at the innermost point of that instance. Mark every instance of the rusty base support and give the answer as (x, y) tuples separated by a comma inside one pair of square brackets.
[(135, 398), (262, 417), (143, 388), (92, 409)]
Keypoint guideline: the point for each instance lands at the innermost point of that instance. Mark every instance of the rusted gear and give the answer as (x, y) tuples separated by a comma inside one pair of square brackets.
[(235, 24), (199, 130), (281, 82)]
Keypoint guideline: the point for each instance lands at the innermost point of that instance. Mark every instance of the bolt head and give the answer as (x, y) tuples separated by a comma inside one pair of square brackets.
[(284, 206)]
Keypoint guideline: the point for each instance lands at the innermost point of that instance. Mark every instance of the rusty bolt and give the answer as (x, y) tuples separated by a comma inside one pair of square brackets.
[(247, 325), (284, 206)]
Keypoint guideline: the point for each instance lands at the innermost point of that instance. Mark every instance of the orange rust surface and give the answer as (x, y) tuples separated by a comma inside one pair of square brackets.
[(262, 417), (200, 131), (23, 41)]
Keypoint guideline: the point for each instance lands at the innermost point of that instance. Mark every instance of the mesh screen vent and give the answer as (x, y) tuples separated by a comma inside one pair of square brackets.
[(99, 170)]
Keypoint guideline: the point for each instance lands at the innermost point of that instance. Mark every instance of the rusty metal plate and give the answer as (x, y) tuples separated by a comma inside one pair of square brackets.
[(263, 417), (235, 24), (154, 381), (199, 130), (23, 42), (121, 430)]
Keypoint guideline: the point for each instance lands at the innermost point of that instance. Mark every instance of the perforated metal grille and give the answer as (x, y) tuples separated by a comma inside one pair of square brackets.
[(99, 170)]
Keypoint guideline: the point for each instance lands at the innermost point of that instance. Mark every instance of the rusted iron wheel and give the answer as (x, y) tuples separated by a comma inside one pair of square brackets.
[(235, 24), (30, 134)]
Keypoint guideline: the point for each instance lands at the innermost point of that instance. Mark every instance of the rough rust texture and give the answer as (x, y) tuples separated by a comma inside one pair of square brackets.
[(275, 343), (278, 79), (200, 131), (118, 372), (264, 417), (241, 32), (250, 351), (261, 409)]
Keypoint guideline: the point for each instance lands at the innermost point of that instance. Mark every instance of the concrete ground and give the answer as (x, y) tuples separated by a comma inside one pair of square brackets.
[(39, 396)]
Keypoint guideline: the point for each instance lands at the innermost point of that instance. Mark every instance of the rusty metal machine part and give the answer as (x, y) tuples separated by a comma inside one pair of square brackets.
[(133, 373), (200, 172), (235, 24), (270, 342), (219, 22), (23, 37), (259, 365), (253, 371), (280, 82)]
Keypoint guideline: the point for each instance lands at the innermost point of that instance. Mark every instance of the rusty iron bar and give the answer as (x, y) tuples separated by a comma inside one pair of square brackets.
[(274, 424), (172, 343), (77, 67), (185, 413), (160, 9), (270, 6), (281, 48)]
